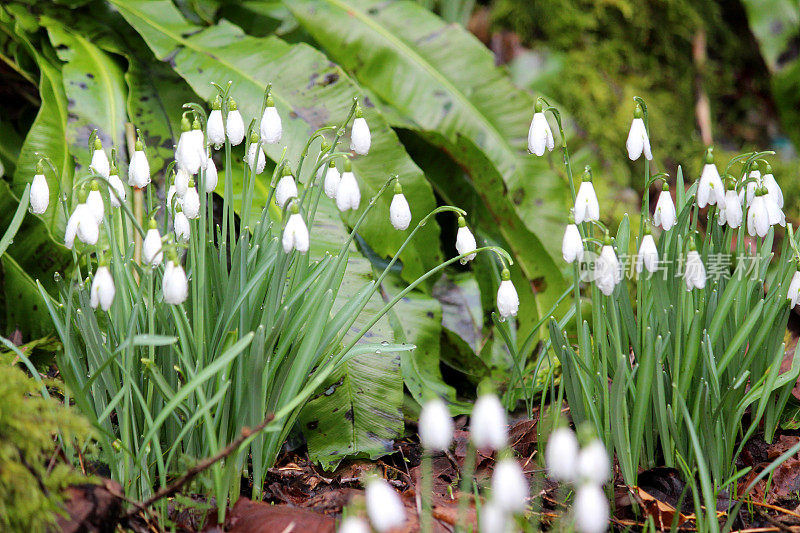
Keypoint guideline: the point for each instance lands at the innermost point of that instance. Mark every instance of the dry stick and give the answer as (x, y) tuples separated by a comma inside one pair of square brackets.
[(206, 463), (138, 198)]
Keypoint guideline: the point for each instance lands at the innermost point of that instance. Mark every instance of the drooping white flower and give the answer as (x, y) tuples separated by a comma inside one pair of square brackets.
[(103, 290), (215, 128), (758, 216), (348, 195), (353, 524), (638, 142), (748, 194), (665, 215), (733, 209), (435, 426), (190, 152), (510, 489), (360, 138), (772, 186), (40, 191), (152, 253), (271, 127), (286, 188), (181, 226), (258, 167), (191, 202), (608, 272), (83, 224), (507, 297), (590, 509), (99, 159), (172, 193), (593, 463), (332, 179), (540, 136), (648, 254), (775, 213), (710, 190), (211, 175), (182, 178), (572, 244), (384, 508), (794, 290), (399, 210), (586, 204), (493, 518), (465, 241), (487, 424), (139, 169), (117, 192), (235, 124), (95, 203), (694, 272), (295, 234), (561, 455), (174, 286)]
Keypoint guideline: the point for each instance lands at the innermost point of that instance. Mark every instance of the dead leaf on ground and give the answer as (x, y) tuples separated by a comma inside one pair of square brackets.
[(248, 516)]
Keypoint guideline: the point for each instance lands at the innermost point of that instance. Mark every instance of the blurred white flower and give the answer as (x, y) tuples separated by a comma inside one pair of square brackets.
[(487, 424), (510, 489), (593, 463), (590, 509), (608, 272), (561, 454), (384, 508), (435, 426)]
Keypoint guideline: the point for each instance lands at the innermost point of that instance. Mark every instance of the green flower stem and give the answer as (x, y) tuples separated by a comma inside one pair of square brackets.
[(465, 486), (426, 486)]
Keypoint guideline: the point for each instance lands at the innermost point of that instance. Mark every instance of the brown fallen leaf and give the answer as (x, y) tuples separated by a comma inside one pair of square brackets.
[(95, 508), (248, 516), (662, 512)]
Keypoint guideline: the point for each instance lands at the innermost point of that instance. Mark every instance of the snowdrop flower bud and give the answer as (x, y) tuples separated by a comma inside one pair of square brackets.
[(465, 241), (180, 224), (348, 195), (540, 136), (794, 290), (731, 214), (182, 182), (593, 463), (286, 188), (211, 175), (399, 210), (172, 192), (40, 191), (332, 179), (258, 168), (638, 142), (435, 426), (139, 169), (353, 524), (561, 455), (117, 192), (748, 194), (95, 203), (360, 138), (586, 205), (710, 190), (190, 152), (103, 291), (648, 253), (235, 124), (152, 253), (694, 272), (271, 128), (507, 298), (81, 223), (493, 518), (608, 272), (174, 286), (772, 186), (99, 159), (590, 509), (191, 202), (384, 507), (215, 127), (488, 423), (665, 215), (572, 244), (510, 489), (295, 234), (758, 215)]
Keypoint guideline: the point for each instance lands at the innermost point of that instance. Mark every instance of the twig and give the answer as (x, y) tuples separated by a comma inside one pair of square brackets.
[(774, 508)]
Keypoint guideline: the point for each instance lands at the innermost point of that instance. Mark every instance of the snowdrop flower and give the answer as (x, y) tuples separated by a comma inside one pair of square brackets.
[(758, 215), (40, 191), (99, 159), (794, 290), (648, 253), (748, 194), (190, 152), (286, 188), (695, 273), (95, 203), (83, 224), (775, 213), (152, 253), (586, 205), (174, 286), (638, 142), (139, 169), (593, 463), (271, 128), (258, 168), (608, 272), (348, 195), (181, 226), (295, 234), (540, 136), (488, 423), (494, 519), (116, 193), (772, 186), (710, 190), (561, 454), (731, 213), (435, 426), (465, 241), (215, 128), (572, 244), (182, 178), (665, 215), (172, 192), (384, 507), (103, 291), (191, 202), (332, 179), (399, 210), (590, 509), (360, 138), (211, 175), (507, 297), (353, 524), (235, 124), (510, 489)]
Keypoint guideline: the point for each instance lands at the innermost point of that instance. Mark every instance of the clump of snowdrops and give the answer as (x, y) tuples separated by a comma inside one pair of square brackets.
[(174, 349)]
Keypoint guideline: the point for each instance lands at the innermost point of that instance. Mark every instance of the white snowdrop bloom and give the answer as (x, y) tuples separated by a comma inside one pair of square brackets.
[(774, 213), (191, 202), (510, 489), (694, 272), (435, 426), (608, 272), (182, 178), (748, 194), (572, 244), (174, 286), (465, 241), (181, 226), (348, 195), (540, 136), (733, 209), (295, 234), (648, 254), (95, 203), (152, 253), (360, 138), (353, 524), (235, 124), (586, 204), (384, 508), (199, 144), (561, 454), (258, 168), (211, 175), (772, 187), (271, 128), (593, 463), (665, 215), (83, 224), (215, 128), (139, 169), (103, 291), (794, 290), (493, 519), (399, 210), (172, 192), (638, 143), (758, 216), (332, 179), (117, 192), (487, 424), (590, 509), (286, 189), (507, 297), (40, 191), (710, 190), (99, 159), (188, 154)]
